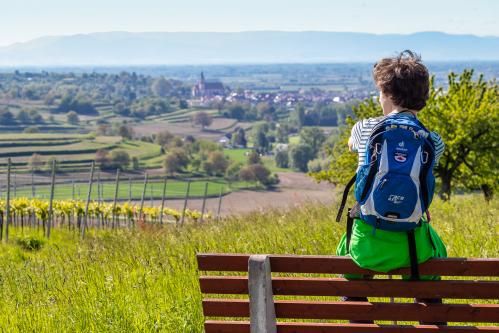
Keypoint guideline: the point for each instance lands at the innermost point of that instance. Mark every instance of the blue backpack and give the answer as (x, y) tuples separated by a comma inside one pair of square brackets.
[(395, 185)]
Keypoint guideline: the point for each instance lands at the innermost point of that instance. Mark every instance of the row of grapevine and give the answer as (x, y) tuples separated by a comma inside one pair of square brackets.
[(26, 212)]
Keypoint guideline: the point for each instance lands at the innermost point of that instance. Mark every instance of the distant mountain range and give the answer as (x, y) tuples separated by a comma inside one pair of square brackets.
[(173, 48)]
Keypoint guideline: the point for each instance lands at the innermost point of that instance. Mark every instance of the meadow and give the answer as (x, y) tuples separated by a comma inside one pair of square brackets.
[(145, 279)]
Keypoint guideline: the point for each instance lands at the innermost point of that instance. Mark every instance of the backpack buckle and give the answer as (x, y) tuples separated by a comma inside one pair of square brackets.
[(425, 157)]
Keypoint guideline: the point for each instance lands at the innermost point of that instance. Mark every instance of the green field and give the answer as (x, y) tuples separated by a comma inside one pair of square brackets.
[(154, 189), (181, 115), (146, 280), (239, 155)]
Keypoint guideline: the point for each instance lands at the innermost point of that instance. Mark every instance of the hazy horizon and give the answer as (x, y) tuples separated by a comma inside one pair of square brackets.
[(30, 19)]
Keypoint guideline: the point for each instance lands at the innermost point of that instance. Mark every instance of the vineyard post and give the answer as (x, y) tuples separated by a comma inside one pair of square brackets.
[(85, 218), (51, 212), (204, 201), (7, 202), (185, 202), (129, 189), (33, 195), (99, 198), (219, 203), (73, 189), (33, 192), (15, 185), (151, 193), (116, 196), (143, 197), (162, 201)]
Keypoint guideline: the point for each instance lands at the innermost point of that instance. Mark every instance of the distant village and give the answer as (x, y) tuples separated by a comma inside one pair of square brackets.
[(205, 93)]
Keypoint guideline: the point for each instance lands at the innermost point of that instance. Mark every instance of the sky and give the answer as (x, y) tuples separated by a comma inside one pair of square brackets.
[(23, 20)]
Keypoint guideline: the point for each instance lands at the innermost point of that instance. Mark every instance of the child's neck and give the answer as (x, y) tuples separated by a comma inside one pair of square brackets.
[(399, 109)]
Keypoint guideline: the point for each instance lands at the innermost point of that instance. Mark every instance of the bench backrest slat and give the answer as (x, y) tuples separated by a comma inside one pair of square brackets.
[(460, 289), (483, 313), (345, 265), (216, 326)]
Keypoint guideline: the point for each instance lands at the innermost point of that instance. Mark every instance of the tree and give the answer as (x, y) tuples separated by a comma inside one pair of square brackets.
[(282, 133), (35, 117), (163, 138), (254, 158), (282, 159), (257, 173), (176, 160), (72, 118), (239, 138), (314, 137), (260, 140), (79, 105), (125, 131), (119, 159), (236, 111), (219, 163), (202, 118), (102, 158), (265, 111), (23, 117), (466, 117), (35, 162), (161, 87), (135, 163), (7, 118), (298, 115), (232, 172), (300, 155), (182, 104)]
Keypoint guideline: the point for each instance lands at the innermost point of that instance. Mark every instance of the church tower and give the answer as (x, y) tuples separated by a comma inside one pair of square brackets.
[(202, 82)]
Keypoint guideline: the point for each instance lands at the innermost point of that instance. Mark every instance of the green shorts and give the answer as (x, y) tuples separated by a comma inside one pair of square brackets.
[(383, 251)]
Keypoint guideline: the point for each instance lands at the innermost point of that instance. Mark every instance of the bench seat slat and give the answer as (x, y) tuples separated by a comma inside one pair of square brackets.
[(345, 265), (357, 288), (484, 313), (212, 326)]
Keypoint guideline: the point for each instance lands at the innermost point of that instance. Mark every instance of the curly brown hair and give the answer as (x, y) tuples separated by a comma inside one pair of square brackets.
[(404, 79)]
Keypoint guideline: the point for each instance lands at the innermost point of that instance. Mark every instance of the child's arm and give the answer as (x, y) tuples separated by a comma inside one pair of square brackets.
[(439, 146), (355, 135)]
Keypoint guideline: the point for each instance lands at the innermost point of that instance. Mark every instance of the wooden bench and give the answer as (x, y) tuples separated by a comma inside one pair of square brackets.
[(263, 310)]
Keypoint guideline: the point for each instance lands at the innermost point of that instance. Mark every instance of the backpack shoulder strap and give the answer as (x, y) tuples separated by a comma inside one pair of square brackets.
[(413, 255), (344, 198)]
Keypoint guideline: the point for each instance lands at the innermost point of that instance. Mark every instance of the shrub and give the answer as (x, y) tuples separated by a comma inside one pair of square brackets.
[(30, 243)]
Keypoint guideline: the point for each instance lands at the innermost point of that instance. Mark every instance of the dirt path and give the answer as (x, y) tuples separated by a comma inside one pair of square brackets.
[(294, 190)]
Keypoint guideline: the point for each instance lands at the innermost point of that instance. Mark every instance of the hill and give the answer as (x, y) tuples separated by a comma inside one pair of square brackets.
[(168, 48)]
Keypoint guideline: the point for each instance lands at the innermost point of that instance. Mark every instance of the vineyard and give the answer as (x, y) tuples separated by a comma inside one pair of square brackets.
[(73, 214), (74, 152)]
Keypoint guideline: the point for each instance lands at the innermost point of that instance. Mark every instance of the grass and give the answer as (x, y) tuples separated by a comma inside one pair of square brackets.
[(239, 155), (146, 280)]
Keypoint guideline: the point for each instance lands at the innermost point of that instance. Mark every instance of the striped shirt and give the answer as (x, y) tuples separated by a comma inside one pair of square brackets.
[(363, 129)]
